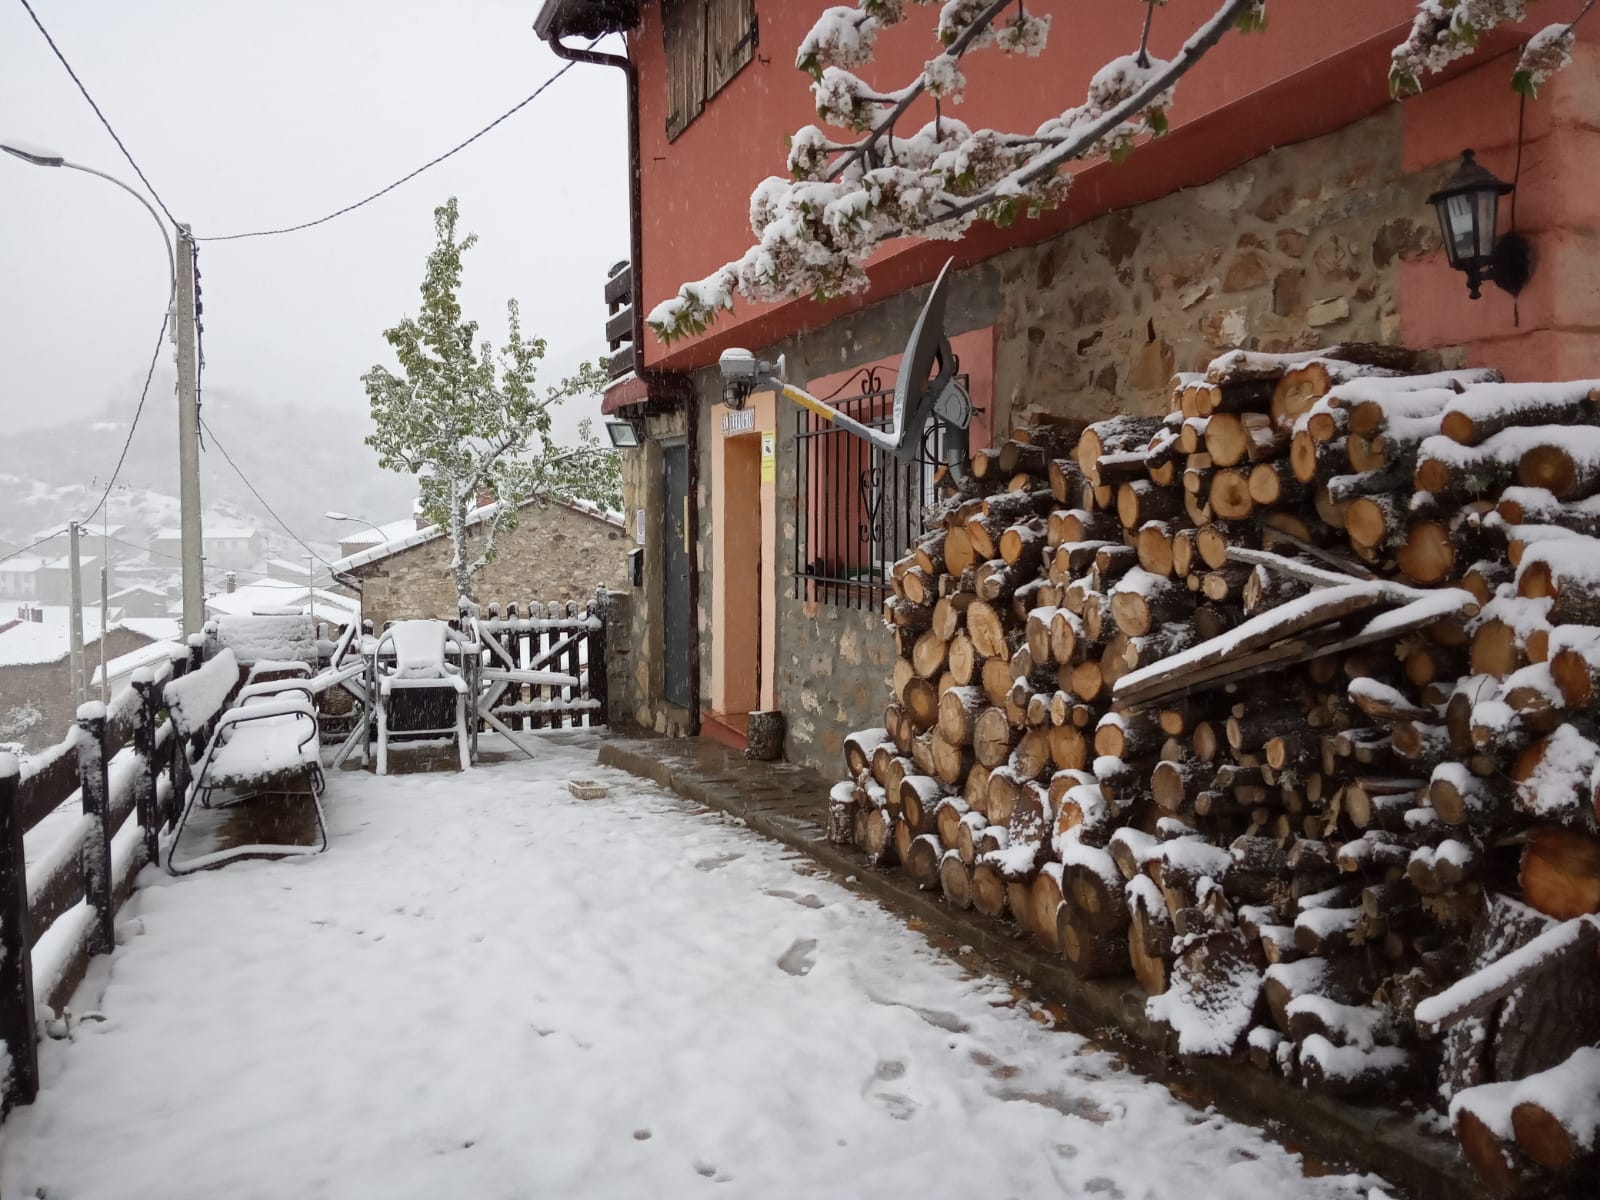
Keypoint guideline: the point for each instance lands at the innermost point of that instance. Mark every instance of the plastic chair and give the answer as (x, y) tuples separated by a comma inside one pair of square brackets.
[(419, 663)]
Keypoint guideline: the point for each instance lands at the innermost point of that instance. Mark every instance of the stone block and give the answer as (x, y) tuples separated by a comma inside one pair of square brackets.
[(1328, 311)]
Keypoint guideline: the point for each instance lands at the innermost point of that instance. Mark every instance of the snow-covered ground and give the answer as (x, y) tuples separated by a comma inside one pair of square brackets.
[(490, 989)]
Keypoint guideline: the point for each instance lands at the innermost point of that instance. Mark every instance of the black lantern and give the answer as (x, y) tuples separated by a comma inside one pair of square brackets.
[(1469, 206)]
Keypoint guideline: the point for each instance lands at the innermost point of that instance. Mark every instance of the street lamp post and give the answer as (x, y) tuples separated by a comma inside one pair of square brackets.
[(180, 303), (339, 516)]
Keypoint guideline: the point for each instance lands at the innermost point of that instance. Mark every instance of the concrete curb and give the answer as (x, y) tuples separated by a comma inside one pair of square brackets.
[(773, 799)]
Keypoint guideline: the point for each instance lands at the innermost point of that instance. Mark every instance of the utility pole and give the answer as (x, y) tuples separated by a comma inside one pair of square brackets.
[(75, 620), (194, 603)]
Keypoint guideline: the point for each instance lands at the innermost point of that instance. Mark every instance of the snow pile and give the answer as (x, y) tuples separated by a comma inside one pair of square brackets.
[(253, 639)]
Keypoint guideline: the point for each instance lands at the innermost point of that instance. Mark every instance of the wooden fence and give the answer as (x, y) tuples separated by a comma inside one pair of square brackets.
[(110, 785), (563, 636)]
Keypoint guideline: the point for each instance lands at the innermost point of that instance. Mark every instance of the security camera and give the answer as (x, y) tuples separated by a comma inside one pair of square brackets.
[(744, 374)]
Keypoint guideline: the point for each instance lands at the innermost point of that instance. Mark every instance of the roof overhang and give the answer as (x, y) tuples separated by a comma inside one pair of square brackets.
[(585, 18)]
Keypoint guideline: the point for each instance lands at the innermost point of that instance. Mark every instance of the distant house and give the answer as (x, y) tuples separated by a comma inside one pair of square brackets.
[(560, 550), (141, 600), (53, 580), (230, 547), (36, 706), (19, 577)]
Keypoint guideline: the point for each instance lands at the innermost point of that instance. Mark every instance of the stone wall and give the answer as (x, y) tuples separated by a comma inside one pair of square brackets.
[(555, 553), (1295, 249)]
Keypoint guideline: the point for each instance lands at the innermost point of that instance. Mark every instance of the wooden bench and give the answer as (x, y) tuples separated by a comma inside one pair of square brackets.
[(266, 743)]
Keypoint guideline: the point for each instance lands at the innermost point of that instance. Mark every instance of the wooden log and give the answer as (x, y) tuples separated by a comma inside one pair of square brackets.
[(955, 879), (1113, 436), (1500, 1166), (987, 629), (878, 844), (1045, 902), (858, 748), (1093, 887), (922, 703), (989, 893), (1304, 384), (1556, 1113), (1140, 601), (928, 655), (922, 859), (1140, 501), (993, 737), (1093, 953), (1560, 872)]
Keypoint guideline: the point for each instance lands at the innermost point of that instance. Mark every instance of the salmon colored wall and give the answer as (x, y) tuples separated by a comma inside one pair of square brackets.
[(1316, 68), (1552, 330), (744, 536)]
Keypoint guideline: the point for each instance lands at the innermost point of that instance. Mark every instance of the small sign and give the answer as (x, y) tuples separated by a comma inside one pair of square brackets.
[(638, 527), (738, 420), (769, 457)]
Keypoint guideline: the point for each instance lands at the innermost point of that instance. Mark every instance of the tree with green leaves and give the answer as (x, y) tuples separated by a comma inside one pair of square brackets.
[(470, 422)]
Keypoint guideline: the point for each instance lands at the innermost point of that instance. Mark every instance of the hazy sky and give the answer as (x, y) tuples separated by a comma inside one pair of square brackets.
[(256, 116)]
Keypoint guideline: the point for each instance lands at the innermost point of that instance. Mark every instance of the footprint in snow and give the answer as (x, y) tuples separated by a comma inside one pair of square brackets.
[(797, 959), (806, 901), (716, 862)]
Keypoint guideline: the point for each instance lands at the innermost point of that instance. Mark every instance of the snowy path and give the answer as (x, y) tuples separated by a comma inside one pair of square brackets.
[(488, 989)]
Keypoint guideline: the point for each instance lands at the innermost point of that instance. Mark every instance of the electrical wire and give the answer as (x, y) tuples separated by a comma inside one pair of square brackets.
[(134, 425), (246, 481), (432, 162), (148, 186), (47, 537)]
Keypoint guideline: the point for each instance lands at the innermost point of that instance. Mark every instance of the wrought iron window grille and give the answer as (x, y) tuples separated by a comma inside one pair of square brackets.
[(858, 508)]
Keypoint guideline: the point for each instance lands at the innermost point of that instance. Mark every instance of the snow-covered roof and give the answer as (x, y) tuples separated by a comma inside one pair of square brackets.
[(123, 665), (48, 640), (426, 534), (368, 535), (275, 595), (208, 533), (140, 588), (156, 628), (23, 563)]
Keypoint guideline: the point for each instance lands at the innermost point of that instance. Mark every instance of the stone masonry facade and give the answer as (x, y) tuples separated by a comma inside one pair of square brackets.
[(556, 552), (36, 706), (1292, 250)]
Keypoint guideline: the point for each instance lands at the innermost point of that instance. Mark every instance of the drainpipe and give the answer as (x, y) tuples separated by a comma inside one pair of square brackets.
[(669, 384)]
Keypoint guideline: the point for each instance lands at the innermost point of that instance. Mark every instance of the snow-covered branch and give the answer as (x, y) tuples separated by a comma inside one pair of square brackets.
[(844, 198)]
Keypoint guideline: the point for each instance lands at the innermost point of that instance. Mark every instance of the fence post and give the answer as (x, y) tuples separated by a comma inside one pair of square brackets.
[(16, 963), (177, 758), (598, 665), (146, 782), (96, 806)]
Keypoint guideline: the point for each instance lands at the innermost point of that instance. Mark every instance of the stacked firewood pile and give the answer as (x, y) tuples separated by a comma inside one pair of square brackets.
[(1286, 706)]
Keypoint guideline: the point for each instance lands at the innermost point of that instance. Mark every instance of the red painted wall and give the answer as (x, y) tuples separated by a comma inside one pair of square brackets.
[(1316, 68)]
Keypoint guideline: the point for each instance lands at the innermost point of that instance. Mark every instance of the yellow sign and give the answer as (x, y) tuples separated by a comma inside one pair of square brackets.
[(769, 457)]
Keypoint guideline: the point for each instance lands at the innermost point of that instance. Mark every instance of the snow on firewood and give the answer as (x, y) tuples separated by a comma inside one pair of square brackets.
[(1491, 1103), (1139, 846), (1194, 856), (1075, 854), (1212, 994), (1359, 1026), (1510, 445), (1325, 922), (1502, 976), (1568, 1092), (1559, 785), (1495, 406), (1237, 365), (1347, 1064)]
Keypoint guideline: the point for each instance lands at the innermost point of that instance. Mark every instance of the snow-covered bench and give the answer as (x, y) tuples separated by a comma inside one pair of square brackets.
[(265, 744)]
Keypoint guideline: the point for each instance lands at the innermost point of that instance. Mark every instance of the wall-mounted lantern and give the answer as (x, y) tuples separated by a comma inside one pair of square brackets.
[(1468, 206), (623, 435)]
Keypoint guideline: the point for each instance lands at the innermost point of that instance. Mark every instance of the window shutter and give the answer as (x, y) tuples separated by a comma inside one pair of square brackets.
[(683, 26), (730, 40)]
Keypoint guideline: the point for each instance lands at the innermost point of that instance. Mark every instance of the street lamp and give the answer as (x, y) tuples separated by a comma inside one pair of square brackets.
[(339, 516), (180, 304)]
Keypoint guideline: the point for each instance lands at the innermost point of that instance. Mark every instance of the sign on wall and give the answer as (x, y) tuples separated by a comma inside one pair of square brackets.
[(769, 456), (638, 526), (739, 420)]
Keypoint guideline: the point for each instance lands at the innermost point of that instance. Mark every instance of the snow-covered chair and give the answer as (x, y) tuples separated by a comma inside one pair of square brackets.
[(420, 663), (266, 744)]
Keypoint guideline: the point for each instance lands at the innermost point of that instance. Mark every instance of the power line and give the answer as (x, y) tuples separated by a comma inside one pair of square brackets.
[(46, 538), (134, 425), (148, 186), (432, 162), (245, 480)]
